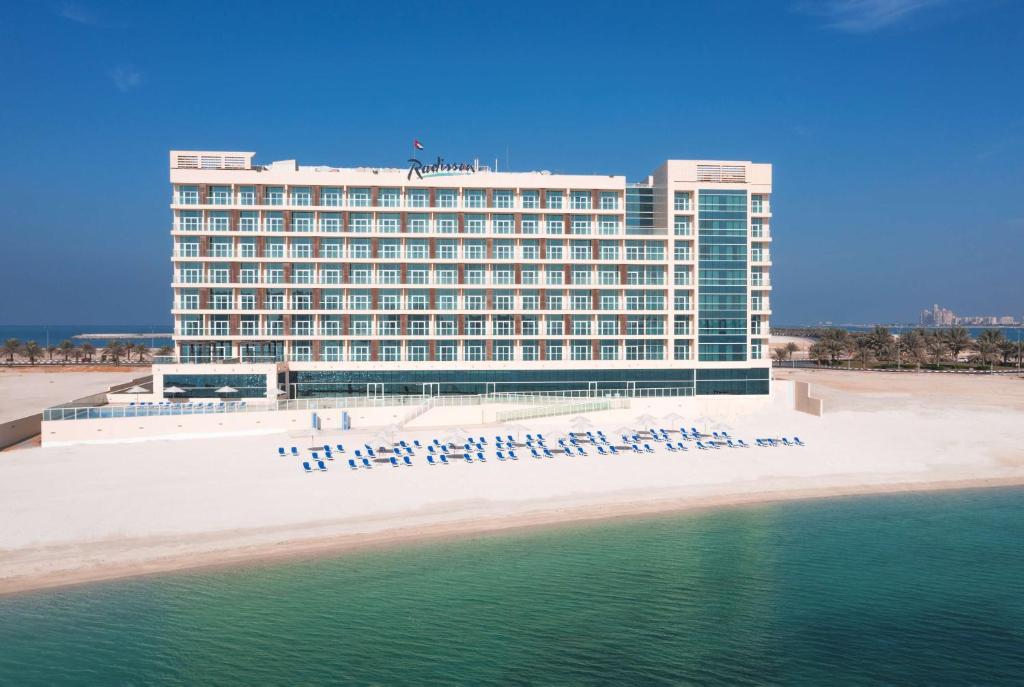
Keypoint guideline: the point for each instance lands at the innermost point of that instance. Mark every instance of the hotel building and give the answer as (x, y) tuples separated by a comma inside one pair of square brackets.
[(437, 278)]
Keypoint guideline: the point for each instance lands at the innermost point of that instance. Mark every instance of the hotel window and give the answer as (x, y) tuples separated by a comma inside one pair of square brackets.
[(682, 250), (530, 326), (475, 250), (274, 195), (188, 250), (360, 222), (503, 224), (503, 250), (388, 198), (302, 221), (301, 249), (581, 276), (654, 250), (681, 201), (247, 301), (189, 301), (681, 350), (359, 248), (302, 275), (580, 224), (360, 352), (273, 275), (609, 302), (188, 195), (554, 199), (330, 223), (581, 301), (529, 250), (683, 226), (474, 351), (554, 275), (580, 200), (189, 221), (609, 200), (503, 327), (554, 301), (502, 276), (555, 327), (529, 352), (682, 276), (609, 251), (220, 195), (581, 327), (531, 302), (475, 301), (531, 200), (447, 198), (248, 275), (419, 224), (447, 250), (417, 352), (219, 221), (302, 197), (476, 275), (333, 353), (609, 225), (554, 351), (446, 224), (504, 302), (330, 197), (609, 352), (418, 198), (682, 300), (248, 221), (275, 301), (634, 250), (390, 352), (418, 301), (359, 197), (273, 248), (273, 221), (330, 276), (554, 224), (529, 276), (390, 301), (389, 224), (581, 351), (608, 276), (757, 228), (608, 326), (331, 301), (220, 275), (503, 199), (446, 352), (581, 250), (530, 224), (475, 224), (416, 250), (758, 204), (554, 251), (246, 195), (474, 198), (388, 276)]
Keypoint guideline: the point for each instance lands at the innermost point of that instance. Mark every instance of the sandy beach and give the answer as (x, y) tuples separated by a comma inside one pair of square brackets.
[(92, 512)]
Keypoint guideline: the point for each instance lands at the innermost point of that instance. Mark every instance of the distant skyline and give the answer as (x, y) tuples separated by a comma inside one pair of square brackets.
[(895, 128)]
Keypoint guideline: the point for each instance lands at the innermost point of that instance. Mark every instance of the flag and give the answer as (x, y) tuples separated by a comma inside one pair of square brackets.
[(416, 144)]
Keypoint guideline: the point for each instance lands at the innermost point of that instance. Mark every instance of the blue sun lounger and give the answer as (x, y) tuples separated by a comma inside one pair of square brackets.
[(367, 463), (670, 447), (601, 451), (281, 452), (580, 451), (295, 452), (305, 466), (787, 442), (501, 456), (444, 459), (416, 443), (742, 444), (647, 447), (316, 456), (612, 449), (430, 460), (481, 457), (393, 461), (798, 442), (327, 448), (341, 449), (320, 464), (534, 453), (700, 445), (352, 464), (636, 449), (512, 455), (548, 453), (407, 461), (466, 457)]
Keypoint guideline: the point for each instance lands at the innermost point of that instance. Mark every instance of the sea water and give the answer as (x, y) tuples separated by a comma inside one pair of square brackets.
[(918, 589)]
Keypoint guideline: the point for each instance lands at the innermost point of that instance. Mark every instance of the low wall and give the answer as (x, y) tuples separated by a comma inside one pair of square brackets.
[(66, 432), (804, 402), (16, 431)]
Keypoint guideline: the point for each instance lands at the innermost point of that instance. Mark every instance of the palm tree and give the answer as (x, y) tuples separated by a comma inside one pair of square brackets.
[(779, 353), (66, 348), (791, 348), (936, 345), (50, 350), (1008, 350), (957, 340), (912, 344), (165, 350), (32, 351), (11, 348), (818, 351), (88, 351), (863, 349), (141, 350), (835, 343), (115, 349), (880, 340), (988, 345)]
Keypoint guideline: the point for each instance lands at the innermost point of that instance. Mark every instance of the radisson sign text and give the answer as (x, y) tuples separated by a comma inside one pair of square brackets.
[(438, 169)]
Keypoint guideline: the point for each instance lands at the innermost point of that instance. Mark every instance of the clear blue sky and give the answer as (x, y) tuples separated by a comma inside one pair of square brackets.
[(896, 127)]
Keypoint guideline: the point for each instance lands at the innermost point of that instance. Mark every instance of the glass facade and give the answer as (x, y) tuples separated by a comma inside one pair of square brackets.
[(722, 300), (205, 386)]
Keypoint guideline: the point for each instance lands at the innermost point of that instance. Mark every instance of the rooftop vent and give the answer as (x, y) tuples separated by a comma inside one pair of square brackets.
[(210, 160), (725, 174)]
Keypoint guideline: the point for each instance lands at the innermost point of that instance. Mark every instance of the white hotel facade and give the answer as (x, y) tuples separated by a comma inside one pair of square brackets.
[(325, 281)]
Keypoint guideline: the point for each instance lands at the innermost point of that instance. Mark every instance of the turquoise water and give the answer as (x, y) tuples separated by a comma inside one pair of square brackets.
[(923, 589)]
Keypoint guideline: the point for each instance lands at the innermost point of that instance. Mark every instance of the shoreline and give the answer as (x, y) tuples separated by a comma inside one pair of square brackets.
[(277, 546)]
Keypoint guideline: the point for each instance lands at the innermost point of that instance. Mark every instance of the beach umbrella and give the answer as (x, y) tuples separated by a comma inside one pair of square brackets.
[(173, 390), (580, 424), (672, 420), (645, 421), (224, 390), (517, 430), (137, 390)]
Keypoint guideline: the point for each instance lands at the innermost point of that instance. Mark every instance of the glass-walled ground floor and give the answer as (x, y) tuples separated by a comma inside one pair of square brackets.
[(597, 382)]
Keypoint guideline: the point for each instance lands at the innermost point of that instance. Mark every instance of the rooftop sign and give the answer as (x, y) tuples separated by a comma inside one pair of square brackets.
[(438, 169)]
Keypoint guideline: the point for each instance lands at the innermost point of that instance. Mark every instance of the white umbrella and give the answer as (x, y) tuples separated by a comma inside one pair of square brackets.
[(173, 390), (137, 390), (226, 390)]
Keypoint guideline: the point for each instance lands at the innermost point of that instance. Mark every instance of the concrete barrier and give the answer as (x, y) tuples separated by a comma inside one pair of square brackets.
[(15, 431), (804, 402)]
